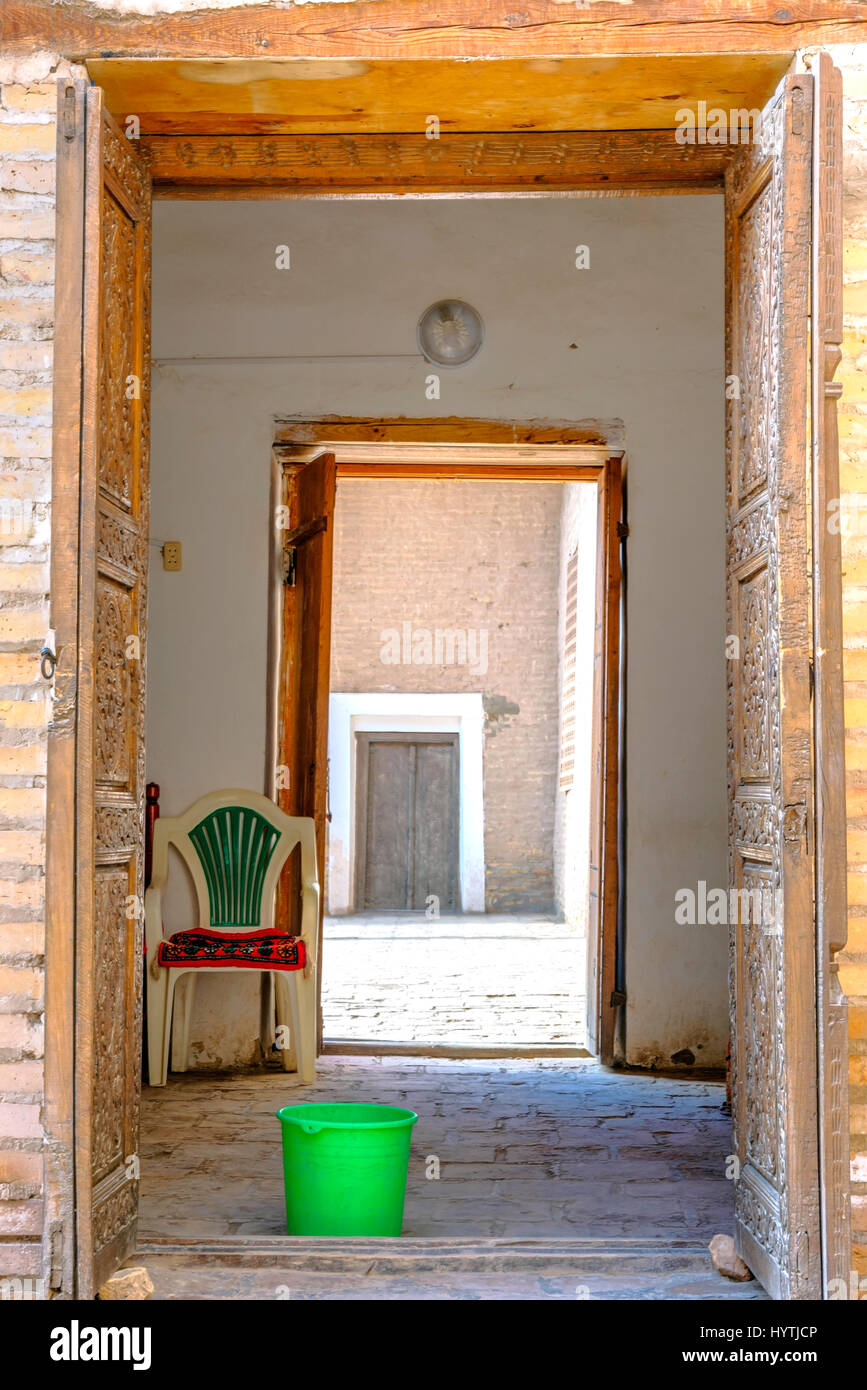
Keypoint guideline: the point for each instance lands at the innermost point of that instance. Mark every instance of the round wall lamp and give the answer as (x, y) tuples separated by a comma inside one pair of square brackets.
[(450, 333)]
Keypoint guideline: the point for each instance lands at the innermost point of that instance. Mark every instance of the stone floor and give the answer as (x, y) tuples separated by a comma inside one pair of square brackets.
[(525, 1148), (186, 1277), (500, 979), (529, 1151)]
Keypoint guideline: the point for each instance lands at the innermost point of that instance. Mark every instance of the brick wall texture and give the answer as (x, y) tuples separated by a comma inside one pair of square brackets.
[(27, 105), (27, 140), (395, 548)]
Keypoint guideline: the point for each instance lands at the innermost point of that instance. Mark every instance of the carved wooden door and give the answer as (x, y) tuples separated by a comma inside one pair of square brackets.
[(772, 827), (111, 696)]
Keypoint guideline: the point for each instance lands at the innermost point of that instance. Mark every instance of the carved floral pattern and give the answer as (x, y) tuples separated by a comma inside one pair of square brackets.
[(109, 1042), (757, 958), (113, 683), (761, 1071), (754, 304), (754, 672), (115, 1213), (118, 359)]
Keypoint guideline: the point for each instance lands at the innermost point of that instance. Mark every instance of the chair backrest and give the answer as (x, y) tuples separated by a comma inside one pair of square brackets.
[(235, 844)]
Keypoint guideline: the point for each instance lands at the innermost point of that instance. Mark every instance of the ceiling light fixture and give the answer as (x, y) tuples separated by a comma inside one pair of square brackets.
[(450, 333)]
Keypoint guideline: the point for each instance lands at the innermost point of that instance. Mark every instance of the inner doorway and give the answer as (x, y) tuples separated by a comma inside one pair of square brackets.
[(469, 688)]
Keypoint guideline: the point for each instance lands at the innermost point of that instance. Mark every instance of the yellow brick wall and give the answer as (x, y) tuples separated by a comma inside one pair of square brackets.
[(27, 140)]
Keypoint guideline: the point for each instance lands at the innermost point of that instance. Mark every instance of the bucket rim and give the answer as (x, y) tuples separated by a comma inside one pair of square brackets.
[(404, 1117)]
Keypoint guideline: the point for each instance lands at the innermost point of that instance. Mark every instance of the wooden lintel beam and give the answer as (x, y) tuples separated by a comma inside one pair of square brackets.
[(454, 28), (473, 472), (454, 163), (456, 430)]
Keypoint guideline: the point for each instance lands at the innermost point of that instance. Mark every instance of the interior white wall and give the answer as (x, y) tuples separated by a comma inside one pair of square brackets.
[(638, 337)]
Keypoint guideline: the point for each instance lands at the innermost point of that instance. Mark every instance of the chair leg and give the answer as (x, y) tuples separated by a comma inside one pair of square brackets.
[(287, 1019), (187, 991), (305, 1035), (268, 1005), (160, 997)]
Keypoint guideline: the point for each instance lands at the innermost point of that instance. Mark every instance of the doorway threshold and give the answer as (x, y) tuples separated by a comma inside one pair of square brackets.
[(356, 1047), (416, 1254), (427, 1268)]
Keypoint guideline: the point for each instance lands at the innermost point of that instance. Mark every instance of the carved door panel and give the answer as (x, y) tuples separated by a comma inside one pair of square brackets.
[(111, 690), (771, 788)]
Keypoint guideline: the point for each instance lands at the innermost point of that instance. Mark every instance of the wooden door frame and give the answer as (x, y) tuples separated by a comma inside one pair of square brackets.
[(61, 868), (480, 450), (619, 163), (364, 738)]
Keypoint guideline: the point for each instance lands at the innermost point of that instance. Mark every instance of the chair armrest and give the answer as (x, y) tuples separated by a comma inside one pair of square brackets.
[(310, 920), (153, 925)]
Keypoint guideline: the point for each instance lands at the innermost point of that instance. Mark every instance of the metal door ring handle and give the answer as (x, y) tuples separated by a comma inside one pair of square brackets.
[(47, 663)]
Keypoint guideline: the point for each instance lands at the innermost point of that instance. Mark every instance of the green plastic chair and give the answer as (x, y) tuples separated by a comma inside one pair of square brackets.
[(234, 844)]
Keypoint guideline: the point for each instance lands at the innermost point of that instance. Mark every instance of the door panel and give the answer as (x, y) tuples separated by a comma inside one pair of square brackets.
[(388, 826), (111, 689), (407, 820), (305, 669), (604, 876), (435, 825), (771, 823)]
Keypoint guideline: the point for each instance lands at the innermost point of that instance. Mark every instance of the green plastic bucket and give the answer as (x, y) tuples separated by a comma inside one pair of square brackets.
[(345, 1168)]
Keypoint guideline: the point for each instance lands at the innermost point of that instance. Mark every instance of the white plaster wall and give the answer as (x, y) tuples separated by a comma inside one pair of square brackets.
[(646, 321)]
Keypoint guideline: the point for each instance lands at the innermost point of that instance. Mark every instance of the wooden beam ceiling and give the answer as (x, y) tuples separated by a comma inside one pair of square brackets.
[(318, 95), (451, 28)]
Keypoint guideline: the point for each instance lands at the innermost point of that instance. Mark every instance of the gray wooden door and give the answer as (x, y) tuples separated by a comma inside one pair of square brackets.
[(407, 821)]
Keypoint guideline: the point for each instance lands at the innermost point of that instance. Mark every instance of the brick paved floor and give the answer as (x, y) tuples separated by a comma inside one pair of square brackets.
[(469, 979), (528, 1148)]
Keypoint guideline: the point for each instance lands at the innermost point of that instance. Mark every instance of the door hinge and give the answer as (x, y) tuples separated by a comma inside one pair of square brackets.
[(812, 666), (795, 822), (292, 540), (289, 565), (68, 121), (623, 529), (618, 996), (55, 1267)]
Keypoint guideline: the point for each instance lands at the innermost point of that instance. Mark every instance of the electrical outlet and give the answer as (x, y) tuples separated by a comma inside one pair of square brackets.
[(172, 555)]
